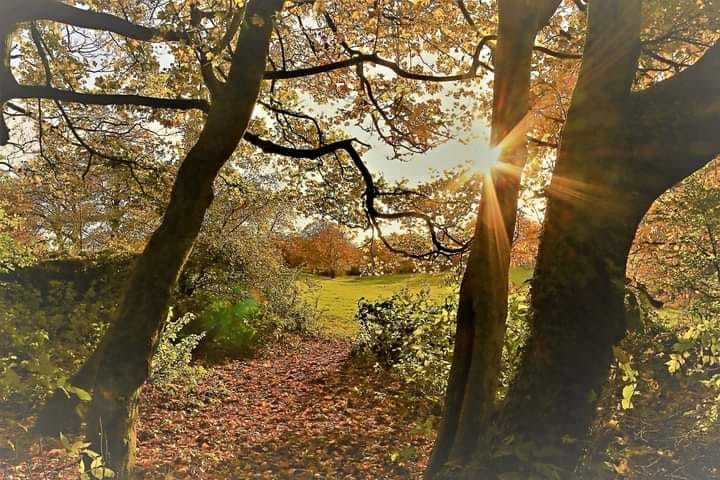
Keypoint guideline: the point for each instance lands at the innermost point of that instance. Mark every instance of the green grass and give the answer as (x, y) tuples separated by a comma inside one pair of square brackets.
[(337, 298), (519, 275)]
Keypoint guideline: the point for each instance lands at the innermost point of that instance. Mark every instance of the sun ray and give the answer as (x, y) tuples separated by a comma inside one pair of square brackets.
[(492, 219)]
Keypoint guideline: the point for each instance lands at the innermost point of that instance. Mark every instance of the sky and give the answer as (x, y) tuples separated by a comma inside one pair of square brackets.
[(466, 147)]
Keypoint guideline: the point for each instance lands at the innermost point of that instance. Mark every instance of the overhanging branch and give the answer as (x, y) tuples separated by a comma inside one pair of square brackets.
[(371, 193), (18, 91), (678, 121), (28, 10), (69, 96), (377, 60), (371, 58)]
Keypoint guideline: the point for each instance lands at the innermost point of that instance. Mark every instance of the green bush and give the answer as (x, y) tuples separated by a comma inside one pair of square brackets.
[(50, 325), (230, 328), (241, 281), (516, 334), (413, 335), (172, 365), (42, 341)]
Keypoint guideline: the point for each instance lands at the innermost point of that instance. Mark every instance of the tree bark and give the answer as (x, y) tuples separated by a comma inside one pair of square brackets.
[(609, 172), (474, 376), (578, 286), (132, 338)]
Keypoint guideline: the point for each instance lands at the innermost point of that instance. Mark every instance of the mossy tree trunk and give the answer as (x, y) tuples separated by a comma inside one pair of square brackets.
[(620, 151), (482, 312)]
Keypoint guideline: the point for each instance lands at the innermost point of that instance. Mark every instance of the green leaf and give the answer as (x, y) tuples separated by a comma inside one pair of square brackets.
[(82, 395), (628, 392), (102, 472)]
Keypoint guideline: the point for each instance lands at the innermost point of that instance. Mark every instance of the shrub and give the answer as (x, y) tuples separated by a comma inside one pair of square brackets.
[(222, 280), (230, 328), (172, 363), (413, 335), (49, 325), (43, 341), (27, 372), (516, 334)]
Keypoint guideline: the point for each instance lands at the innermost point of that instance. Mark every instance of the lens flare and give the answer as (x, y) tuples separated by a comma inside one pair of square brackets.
[(489, 161)]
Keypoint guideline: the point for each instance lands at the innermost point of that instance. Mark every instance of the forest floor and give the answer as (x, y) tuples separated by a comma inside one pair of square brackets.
[(298, 410), (673, 430), (304, 408)]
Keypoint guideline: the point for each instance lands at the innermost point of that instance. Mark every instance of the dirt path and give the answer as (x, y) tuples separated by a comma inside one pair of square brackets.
[(298, 411)]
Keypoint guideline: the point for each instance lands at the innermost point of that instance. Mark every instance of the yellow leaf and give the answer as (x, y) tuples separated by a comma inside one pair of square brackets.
[(622, 468), (319, 6)]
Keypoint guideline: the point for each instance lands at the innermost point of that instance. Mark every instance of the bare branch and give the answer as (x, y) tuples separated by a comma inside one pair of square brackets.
[(466, 13), (542, 143), (556, 54), (371, 192), (582, 6)]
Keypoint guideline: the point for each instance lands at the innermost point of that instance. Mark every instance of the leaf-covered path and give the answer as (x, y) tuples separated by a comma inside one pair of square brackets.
[(298, 410), (302, 410)]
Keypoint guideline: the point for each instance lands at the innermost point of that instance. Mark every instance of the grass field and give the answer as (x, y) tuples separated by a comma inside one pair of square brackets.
[(337, 298)]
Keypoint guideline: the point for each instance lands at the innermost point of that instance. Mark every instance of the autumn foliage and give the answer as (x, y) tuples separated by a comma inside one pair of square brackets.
[(321, 248)]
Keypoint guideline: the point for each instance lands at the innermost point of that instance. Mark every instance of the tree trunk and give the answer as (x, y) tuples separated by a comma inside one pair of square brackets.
[(594, 208), (578, 315), (133, 335), (482, 311), (620, 151)]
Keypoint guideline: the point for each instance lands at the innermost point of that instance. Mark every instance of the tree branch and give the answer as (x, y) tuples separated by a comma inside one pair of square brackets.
[(50, 93), (361, 58), (679, 121), (28, 10), (372, 58), (465, 13), (556, 54), (371, 192), (69, 96), (582, 6), (542, 143)]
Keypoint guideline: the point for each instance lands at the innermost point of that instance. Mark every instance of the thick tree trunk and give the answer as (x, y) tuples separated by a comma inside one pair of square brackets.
[(594, 207), (474, 376), (620, 152), (133, 336), (578, 315)]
